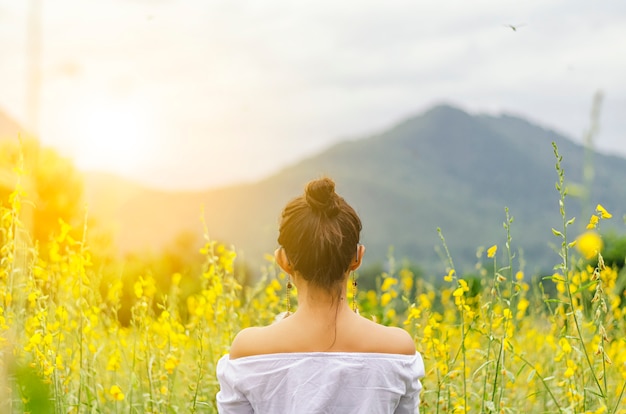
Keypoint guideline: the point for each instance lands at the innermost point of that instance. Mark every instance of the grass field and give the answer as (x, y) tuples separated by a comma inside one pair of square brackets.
[(505, 342)]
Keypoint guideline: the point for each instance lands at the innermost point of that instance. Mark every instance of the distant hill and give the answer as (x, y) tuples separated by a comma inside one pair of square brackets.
[(444, 168)]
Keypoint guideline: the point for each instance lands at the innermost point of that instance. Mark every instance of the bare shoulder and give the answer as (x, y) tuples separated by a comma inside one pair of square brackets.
[(401, 341), (391, 339), (258, 340), (245, 342)]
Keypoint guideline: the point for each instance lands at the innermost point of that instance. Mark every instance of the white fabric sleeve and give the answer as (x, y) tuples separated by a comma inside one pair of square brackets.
[(229, 399), (410, 402)]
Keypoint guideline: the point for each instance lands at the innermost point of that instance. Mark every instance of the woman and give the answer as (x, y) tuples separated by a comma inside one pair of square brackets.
[(323, 358)]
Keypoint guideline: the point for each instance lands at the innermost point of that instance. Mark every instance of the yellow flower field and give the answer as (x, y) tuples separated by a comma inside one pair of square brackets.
[(506, 347)]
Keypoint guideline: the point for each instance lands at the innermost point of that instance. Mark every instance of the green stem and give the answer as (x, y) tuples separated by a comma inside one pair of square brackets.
[(494, 297), (580, 335), (566, 264), (543, 381), (464, 359), (512, 294), (200, 366), (80, 346), (438, 379), (132, 374), (451, 263), (619, 399), (606, 389)]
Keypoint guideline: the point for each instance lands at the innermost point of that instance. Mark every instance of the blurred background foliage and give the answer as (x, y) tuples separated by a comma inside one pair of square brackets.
[(53, 193), (51, 183)]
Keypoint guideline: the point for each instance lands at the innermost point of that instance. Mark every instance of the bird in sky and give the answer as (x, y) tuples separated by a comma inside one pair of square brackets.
[(514, 27)]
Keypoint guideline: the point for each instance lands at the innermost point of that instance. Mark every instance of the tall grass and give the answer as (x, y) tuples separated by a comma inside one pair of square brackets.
[(506, 346)]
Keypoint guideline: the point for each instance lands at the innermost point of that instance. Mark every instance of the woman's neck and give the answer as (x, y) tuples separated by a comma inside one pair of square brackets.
[(320, 302)]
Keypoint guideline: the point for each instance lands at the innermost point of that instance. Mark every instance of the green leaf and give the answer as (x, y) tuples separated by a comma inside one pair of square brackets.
[(594, 392), (484, 364), (555, 301), (586, 286)]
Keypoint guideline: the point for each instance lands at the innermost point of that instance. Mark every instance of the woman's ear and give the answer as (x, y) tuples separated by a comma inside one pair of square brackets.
[(282, 260), (358, 257)]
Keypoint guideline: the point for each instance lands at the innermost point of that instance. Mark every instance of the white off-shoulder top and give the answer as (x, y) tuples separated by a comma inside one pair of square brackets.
[(320, 383)]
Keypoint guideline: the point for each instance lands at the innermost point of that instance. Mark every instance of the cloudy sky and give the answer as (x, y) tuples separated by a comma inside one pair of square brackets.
[(197, 93)]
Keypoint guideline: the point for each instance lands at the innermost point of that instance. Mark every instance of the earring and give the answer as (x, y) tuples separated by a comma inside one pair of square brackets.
[(288, 295), (354, 307), (354, 284)]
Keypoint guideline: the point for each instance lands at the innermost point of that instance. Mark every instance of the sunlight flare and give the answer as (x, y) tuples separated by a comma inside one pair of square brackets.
[(111, 135)]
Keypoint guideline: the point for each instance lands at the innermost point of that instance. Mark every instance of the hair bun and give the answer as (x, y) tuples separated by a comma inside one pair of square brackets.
[(321, 197)]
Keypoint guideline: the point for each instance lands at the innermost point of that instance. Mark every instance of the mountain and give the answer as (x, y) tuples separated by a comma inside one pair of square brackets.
[(441, 169)]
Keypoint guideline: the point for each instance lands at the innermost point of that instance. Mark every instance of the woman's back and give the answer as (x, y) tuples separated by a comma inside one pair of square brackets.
[(307, 333), (303, 364), (324, 358)]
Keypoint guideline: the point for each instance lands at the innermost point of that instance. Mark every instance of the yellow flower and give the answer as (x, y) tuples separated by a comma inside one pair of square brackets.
[(414, 313), (571, 369), (36, 339), (138, 289), (116, 393), (114, 362), (492, 251), (59, 362), (406, 276), (171, 363), (589, 244), (449, 276), (600, 410), (522, 305), (463, 285), (115, 291), (603, 213), (389, 281), (371, 297), (593, 222), (385, 299), (461, 289)]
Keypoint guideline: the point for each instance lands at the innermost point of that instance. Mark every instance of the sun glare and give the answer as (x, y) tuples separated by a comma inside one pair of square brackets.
[(111, 136)]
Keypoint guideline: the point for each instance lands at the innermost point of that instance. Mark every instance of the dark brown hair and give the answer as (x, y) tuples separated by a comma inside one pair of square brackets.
[(320, 233)]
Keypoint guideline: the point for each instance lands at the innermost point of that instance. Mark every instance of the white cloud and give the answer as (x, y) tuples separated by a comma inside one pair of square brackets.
[(273, 81)]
